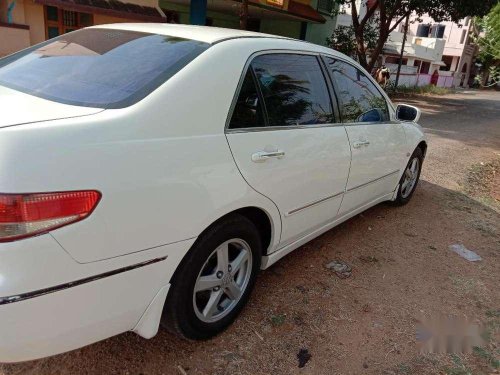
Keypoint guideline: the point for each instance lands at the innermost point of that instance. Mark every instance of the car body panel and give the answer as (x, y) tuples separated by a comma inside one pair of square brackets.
[(71, 315), (19, 108), (375, 167), (307, 183)]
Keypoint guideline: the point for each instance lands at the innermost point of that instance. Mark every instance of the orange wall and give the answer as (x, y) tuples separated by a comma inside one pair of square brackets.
[(33, 14), (13, 40)]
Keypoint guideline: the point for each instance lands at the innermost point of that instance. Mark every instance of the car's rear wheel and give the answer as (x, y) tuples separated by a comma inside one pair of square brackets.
[(410, 177), (214, 281)]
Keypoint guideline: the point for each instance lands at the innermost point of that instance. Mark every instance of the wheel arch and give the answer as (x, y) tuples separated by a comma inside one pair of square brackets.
[(256, 215), (423, 146), (259, 217)]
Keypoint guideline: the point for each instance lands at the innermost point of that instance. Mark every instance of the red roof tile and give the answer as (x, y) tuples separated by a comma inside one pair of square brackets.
[(305, 11)]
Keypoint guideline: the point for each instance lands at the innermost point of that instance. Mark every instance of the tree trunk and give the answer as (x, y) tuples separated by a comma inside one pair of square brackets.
[(400, 62), (244, 14), (377, 51), (360, 48)]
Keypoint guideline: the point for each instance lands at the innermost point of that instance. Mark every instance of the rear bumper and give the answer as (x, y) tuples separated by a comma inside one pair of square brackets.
[(74, 304)]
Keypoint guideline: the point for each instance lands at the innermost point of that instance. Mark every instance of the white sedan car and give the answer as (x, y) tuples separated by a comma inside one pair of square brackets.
[(149, 171)]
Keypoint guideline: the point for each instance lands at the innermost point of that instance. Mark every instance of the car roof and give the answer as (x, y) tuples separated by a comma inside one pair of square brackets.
[(213, 35), (207, 34)]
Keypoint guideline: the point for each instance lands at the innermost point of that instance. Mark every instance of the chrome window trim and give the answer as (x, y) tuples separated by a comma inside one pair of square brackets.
[(227, 130), (372, 181), (275, 128), (71, 284), (371, 123)]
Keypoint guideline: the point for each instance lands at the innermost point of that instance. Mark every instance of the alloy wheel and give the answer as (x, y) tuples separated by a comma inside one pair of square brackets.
[(222, 280), (411, 177)]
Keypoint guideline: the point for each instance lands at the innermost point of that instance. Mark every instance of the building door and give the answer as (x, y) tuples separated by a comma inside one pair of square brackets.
[(59, 21)]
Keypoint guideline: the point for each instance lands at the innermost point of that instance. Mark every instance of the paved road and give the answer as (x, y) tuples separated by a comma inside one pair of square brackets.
[(402, 268), (463, 129)]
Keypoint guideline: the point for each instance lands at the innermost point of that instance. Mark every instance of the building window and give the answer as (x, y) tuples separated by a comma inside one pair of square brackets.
[(59, 21), (425, 67), (462, 38), (325, 6), (448, 60), (395, 60)]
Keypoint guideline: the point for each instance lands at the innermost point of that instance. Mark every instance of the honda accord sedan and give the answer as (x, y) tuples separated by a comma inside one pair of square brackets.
[(149, 171)]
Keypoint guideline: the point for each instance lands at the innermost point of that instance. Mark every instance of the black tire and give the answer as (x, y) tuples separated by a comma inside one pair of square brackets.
[(401, 198), (179, 316)]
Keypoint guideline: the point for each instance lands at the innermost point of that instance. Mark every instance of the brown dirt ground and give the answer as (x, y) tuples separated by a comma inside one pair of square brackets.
[(402, 269)]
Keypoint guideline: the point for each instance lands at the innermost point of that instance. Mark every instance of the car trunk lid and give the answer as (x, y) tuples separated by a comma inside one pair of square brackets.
[(17, 108)]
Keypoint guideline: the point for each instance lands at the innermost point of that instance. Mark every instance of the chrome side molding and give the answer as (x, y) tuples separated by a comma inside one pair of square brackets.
[(54, 289)]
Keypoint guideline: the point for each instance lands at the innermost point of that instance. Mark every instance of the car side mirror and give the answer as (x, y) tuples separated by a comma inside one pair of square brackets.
[(373, 115), (405, 112)]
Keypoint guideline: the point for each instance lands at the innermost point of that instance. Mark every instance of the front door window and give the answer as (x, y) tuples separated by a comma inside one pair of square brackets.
[(359, 99)]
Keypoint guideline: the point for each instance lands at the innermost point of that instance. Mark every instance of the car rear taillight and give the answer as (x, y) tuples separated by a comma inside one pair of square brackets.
[(27, 215)]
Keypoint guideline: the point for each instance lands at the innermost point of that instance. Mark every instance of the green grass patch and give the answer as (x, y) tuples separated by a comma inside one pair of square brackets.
[(487, 356), (493, 313), (277, 320), (420, 90), (459, 367)]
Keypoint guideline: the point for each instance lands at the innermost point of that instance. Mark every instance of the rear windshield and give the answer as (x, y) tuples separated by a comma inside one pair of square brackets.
[(101, 68)]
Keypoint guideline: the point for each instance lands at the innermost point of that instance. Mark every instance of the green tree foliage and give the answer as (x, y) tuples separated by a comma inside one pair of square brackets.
[(387, 15), (343, 40), (488, 41)]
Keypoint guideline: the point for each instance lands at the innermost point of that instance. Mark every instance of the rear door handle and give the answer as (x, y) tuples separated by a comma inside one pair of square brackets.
[(262, 156), (360, 144)]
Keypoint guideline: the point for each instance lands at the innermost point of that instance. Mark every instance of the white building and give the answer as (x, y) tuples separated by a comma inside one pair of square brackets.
[(439, 53)]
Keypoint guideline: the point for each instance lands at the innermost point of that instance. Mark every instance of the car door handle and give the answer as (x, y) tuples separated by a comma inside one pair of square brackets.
[(262, 156), (360, 144)]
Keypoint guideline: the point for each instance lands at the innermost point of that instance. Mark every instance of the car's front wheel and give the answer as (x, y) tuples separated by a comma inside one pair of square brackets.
[(409, 180), (214, 281)]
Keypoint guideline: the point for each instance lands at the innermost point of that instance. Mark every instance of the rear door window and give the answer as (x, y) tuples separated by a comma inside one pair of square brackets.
[(248, 111), (101, 68), (294, 89)]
